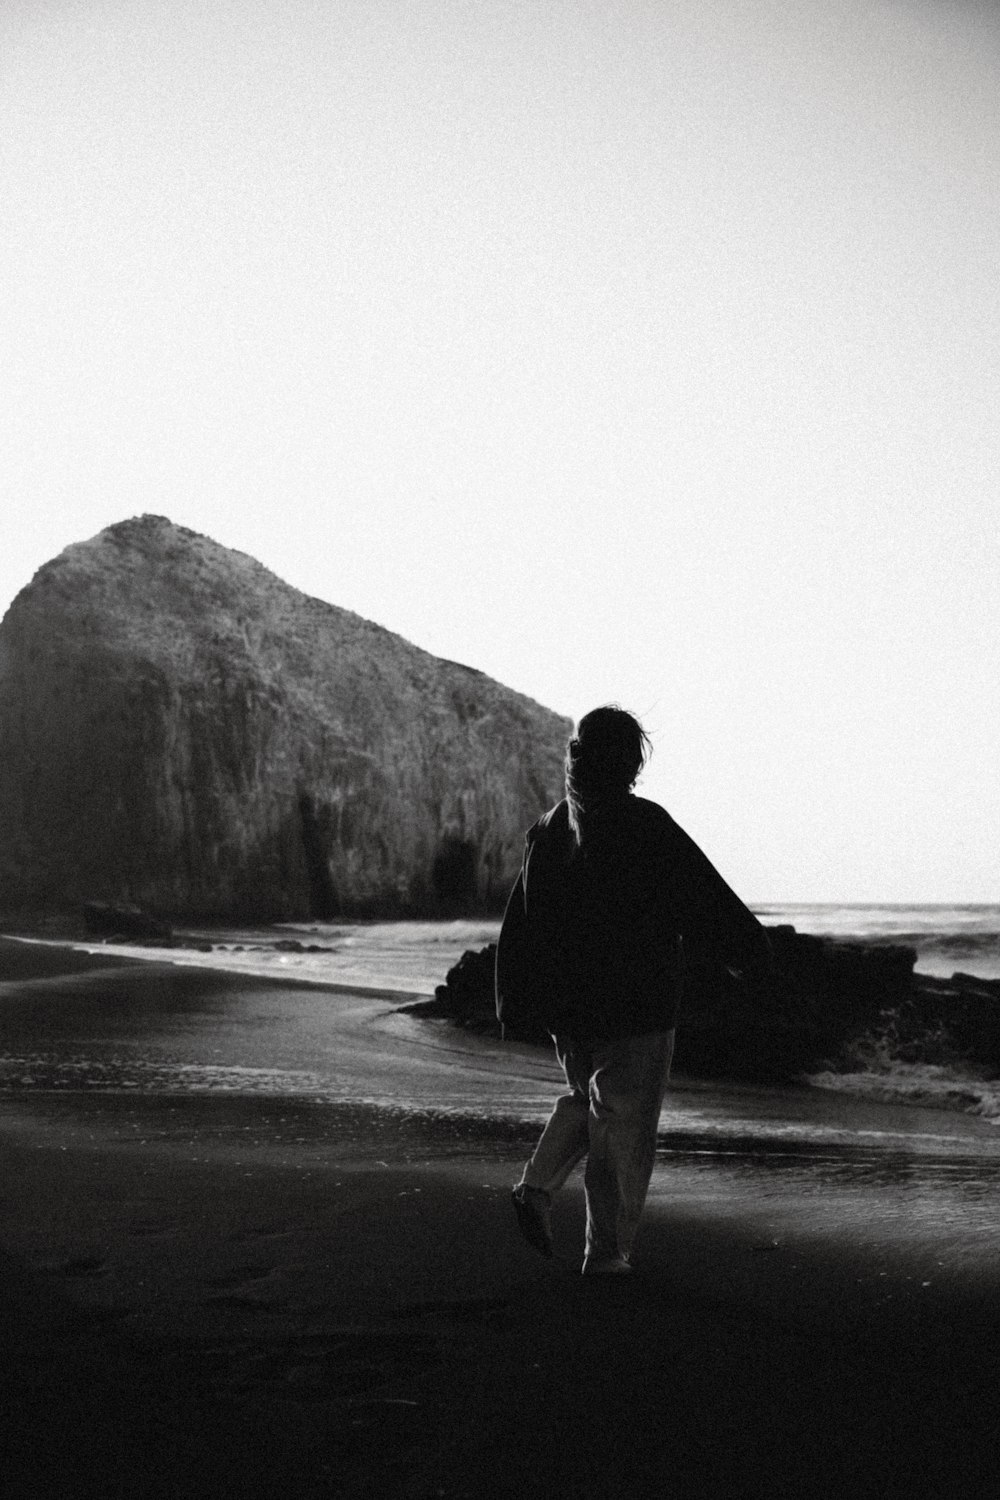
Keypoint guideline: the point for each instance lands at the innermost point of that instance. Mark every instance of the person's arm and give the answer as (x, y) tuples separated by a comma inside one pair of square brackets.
[(715, 924), (510, 960), (519, 985)]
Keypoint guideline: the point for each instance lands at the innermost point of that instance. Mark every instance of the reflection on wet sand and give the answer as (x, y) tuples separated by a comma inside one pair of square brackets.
[(167, 1055)]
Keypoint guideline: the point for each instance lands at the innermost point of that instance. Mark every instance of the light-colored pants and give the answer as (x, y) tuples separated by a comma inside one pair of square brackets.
[(609, 1116)]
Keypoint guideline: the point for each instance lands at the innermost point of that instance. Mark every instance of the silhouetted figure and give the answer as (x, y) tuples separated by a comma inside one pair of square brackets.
[(612, 902)]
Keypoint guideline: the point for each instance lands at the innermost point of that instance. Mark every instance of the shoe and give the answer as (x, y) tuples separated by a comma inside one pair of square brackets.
[(532, 1207), (607, 1265)]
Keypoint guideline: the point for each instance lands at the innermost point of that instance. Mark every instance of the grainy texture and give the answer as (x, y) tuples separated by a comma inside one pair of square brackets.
[(181, 729)]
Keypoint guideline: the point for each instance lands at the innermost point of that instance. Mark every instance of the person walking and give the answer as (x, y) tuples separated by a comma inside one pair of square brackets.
[(613, 903)]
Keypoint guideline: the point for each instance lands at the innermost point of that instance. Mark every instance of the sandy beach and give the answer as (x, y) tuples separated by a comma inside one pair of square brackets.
[(263, 1294)]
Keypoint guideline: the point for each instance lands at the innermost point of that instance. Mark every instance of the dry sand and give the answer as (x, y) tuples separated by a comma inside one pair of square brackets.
[(219, 1296)]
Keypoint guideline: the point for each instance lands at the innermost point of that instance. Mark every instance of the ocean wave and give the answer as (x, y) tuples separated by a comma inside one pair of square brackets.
[(962, 937), (928, 1085), (466, 932)]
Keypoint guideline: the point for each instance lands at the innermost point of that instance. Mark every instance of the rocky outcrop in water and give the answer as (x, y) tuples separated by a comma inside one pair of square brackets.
[(182, 730), (109, 920), (831, 1004)]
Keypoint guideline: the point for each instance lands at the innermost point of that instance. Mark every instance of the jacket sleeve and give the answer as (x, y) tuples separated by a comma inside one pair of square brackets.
[(510, 958), (715, 924)]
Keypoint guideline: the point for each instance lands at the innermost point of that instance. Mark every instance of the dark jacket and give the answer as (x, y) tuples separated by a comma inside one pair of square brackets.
[(596, 939)]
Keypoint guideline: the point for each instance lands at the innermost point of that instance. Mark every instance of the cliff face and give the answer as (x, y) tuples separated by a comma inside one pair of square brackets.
[(180, 729)]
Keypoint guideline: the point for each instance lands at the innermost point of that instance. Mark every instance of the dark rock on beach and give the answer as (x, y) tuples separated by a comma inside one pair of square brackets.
[(943, 1021), (105, 919), (467, 995), (829, 1003), (823, 993), (182, 731)]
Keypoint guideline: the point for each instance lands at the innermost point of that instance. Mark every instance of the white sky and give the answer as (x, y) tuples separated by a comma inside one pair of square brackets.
[(627, 351)]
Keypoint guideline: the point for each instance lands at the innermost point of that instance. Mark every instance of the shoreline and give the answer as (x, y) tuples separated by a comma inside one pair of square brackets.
[(269, 1295), (406, 974), (346, 969)]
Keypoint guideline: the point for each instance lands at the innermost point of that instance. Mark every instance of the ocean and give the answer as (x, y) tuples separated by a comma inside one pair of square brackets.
[(948, 939)]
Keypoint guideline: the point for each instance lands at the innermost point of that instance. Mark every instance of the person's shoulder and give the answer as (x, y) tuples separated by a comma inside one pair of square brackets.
[(652, 823), (651, 815), (648, 811), (556, 820)]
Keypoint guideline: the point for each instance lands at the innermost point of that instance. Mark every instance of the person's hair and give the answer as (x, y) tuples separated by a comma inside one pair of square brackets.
[(603, 760)]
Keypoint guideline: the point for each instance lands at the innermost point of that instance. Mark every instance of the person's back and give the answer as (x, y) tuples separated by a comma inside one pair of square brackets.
[(613, 943), (604, 929)]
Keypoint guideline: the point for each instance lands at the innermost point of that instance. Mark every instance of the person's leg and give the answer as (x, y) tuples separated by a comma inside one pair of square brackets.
[(627, 1086), (563, 1143)]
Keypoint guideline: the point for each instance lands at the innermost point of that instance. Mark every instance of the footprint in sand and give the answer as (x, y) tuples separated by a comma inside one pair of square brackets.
[(80, 1265), (467, 1310), (247, 1304), (361, 1369), (244, 1288), (239, 1277), (368, 1372)]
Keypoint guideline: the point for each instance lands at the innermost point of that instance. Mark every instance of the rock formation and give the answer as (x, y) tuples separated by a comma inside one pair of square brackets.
[(182, 730), (831, 1004)]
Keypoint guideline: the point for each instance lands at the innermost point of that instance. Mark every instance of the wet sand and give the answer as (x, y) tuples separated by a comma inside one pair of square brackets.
[(220, 1295)]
